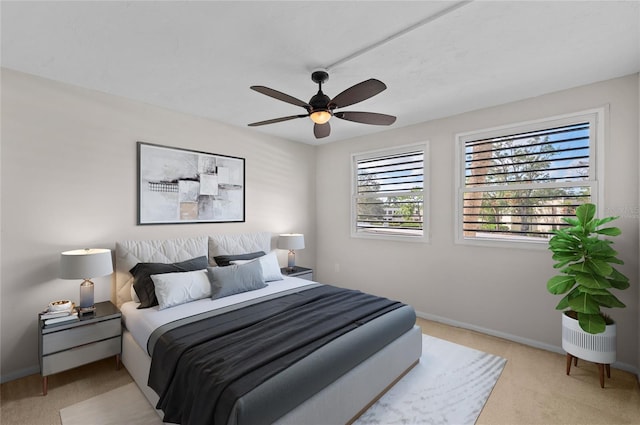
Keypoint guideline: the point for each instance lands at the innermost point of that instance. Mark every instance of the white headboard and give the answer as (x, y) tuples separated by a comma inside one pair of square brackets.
[(130, 253)]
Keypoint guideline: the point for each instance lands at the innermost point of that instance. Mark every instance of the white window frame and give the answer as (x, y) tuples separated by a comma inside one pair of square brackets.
[(597, 118), (426, 215)]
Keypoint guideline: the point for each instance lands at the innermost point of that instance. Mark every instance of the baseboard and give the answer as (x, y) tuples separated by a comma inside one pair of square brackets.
[(515, 338), (19, 374)]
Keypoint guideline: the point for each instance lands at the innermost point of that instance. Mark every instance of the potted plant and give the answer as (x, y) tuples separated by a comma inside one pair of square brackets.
[(586, 275)]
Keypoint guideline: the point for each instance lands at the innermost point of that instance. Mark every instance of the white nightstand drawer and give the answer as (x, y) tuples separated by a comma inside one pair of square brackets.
[(68, 338), (307, 276), (84, 354)]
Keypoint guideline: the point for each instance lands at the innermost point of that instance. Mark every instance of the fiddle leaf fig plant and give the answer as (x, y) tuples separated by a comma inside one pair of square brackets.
[(585, 263)]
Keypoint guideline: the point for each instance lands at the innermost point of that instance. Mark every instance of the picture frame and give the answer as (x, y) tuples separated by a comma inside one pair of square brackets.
[(180, 186)]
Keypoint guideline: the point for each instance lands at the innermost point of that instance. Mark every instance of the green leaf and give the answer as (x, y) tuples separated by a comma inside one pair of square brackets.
[(599, 267), (561, 264), (584, 303), (577, 231), (560, 284), (613, 260), (616, 275), (564, 245), (601, 221), (580, 267), (585, 213), (609, 231), (609, 300), (593, 291), (592, 323), (561, 235), (600, 249), (564, 256), (563, 304), (618, 280), (571, 221), (592, 280)]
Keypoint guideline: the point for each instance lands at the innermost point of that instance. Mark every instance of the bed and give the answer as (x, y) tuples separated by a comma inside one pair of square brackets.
[(332, 384)]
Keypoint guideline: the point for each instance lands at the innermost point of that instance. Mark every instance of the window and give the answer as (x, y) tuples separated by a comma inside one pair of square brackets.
[(517, 183), (388, 193)]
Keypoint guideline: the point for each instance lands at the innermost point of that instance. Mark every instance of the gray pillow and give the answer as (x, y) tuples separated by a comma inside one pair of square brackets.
[(235, 279)]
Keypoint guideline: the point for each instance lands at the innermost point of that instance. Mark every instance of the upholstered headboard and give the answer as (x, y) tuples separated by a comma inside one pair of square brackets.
[(130, 253)]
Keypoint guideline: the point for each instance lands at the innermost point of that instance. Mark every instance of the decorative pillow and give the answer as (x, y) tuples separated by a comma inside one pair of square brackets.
[(235, 279), (270, 266), (225, 260), (143, 284), (179, 288)]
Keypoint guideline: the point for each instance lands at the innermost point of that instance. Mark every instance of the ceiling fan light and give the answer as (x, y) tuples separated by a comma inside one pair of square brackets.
[(320, 117)]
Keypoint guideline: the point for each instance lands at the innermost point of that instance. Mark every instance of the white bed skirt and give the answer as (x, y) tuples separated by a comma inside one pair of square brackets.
[(339, 403)]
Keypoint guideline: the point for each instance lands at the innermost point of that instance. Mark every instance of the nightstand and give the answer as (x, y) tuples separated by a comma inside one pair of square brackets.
[(63, 346), (301, 272)]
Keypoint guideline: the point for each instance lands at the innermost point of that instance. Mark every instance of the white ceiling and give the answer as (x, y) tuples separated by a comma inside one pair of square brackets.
[(201, 57)]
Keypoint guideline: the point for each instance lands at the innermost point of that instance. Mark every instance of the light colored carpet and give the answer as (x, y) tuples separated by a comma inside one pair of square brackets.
[(450, 385), (124, 405)]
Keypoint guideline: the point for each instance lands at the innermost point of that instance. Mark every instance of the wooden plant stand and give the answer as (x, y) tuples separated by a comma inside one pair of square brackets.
[(601, 368)]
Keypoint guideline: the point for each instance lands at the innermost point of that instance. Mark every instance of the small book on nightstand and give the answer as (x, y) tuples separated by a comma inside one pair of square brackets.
[(62, 319), (59, 316)]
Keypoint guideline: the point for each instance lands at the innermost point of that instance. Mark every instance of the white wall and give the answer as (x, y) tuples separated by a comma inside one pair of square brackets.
[(499, 290), (69, 181)]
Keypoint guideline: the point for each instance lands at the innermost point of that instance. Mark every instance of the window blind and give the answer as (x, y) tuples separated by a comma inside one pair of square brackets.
[(522, 185), (389, 193)]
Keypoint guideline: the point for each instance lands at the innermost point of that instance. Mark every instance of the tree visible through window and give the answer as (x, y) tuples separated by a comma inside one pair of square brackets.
[(388, 192), (519, 186)]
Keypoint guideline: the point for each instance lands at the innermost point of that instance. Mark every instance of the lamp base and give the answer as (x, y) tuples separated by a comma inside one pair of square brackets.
[(291, 259), (83, 311), (86, 294)]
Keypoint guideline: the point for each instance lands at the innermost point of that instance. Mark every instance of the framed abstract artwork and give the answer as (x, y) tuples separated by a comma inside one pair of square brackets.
[(185, 186)]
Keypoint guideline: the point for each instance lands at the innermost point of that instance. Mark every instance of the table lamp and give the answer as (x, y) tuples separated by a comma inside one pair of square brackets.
[(85, 264), (291, 241)]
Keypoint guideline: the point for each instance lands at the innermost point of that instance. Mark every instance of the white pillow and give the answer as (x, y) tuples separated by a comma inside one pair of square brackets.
[(182, 287), (270, 266)]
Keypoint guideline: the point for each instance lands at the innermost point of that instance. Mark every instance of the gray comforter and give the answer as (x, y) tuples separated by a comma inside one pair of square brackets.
[(199, 370)]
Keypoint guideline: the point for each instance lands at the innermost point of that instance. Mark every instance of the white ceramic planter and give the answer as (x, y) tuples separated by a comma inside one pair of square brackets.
[(598, 348)]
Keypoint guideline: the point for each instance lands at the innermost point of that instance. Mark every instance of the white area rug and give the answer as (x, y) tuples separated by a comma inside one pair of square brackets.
[(450, 385)]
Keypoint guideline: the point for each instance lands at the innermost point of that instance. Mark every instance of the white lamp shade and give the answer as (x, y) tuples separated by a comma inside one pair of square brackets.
[(85, 263), (291, 241)]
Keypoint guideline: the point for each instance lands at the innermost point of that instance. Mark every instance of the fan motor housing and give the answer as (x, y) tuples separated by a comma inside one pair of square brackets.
[(319, 101), (319, 76)]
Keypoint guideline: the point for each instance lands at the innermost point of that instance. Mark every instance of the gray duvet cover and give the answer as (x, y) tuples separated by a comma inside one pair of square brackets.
[(242, 366)]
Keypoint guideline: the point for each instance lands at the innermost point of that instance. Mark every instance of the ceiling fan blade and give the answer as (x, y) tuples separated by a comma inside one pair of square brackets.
[(358, 93), (275, 120), (321, 130), (366, 117), (280, 96)]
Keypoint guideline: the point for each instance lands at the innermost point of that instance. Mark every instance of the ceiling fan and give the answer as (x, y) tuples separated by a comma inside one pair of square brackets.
[(321, 108)]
